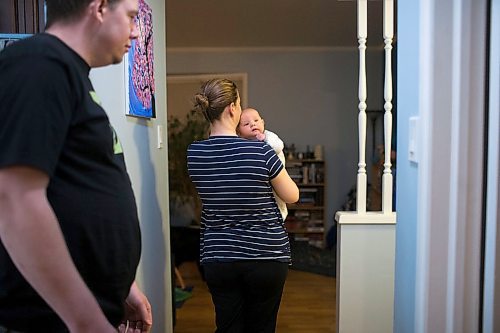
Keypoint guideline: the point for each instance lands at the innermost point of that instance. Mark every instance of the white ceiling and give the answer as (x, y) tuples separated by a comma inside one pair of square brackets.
[(268, 23)]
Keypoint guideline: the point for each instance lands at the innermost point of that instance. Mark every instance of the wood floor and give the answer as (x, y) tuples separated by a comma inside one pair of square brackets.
[(308, 304)]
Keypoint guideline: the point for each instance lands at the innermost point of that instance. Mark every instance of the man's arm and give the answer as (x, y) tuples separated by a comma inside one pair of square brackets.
[(30, 232)]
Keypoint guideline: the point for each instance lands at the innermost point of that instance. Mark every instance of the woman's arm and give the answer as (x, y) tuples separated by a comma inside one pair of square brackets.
[(285, 187)]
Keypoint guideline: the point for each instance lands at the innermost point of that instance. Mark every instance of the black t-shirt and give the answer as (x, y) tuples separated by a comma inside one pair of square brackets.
[(51, 119)]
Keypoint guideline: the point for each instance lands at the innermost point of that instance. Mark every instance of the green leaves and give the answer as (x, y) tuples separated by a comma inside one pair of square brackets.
[(181, 133)]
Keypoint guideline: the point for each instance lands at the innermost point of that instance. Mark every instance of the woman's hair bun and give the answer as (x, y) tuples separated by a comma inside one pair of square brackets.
[(214, 96), (200, 102)]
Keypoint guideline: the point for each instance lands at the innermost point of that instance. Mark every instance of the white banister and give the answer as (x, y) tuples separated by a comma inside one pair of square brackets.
[(362, 35), (366, 241), (387, 176)]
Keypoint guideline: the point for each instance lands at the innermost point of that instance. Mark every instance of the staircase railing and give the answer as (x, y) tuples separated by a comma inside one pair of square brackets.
[(366, 240)]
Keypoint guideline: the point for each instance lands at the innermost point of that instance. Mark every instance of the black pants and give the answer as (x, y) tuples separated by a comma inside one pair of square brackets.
[(246, 295)]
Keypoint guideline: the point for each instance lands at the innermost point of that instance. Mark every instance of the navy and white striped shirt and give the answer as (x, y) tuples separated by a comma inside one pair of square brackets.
[(240, 219)]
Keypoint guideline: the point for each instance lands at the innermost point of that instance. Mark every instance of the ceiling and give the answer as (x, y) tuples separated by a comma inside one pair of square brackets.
[(268, 23)]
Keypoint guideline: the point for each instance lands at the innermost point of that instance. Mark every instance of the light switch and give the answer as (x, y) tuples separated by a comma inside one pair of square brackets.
[(413, 140), (159, 133)]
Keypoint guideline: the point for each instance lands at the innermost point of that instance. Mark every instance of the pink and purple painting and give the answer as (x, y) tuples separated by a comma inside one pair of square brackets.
[(141, 83)]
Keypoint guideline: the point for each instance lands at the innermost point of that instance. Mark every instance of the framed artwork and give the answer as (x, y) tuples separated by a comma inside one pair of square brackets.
[(8, 39), (139, 72)]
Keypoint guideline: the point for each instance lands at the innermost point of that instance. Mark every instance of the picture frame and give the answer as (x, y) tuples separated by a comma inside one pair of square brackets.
[(138, 67), (8, 39)]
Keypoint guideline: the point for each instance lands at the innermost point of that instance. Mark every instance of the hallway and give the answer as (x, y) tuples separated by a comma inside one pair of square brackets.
[(308, 304)]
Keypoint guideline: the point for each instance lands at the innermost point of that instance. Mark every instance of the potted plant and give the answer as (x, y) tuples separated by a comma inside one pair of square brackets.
[(185, 206)]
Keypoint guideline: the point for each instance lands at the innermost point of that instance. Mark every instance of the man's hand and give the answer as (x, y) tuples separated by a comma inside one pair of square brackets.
[(138, 317)]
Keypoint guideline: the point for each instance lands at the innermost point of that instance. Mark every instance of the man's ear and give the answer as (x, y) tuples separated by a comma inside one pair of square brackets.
[(98, 8)]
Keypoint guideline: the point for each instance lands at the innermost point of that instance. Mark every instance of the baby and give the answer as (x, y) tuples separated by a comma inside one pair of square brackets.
[(251, 127)]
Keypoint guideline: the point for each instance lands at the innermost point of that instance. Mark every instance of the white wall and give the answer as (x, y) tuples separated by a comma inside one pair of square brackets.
[(307, 96), (147, 167), (438, 275), (408, 75), (491, 302)]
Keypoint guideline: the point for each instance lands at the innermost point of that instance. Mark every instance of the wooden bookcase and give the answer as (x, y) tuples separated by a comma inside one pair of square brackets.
[(306, 218), (22, 16)]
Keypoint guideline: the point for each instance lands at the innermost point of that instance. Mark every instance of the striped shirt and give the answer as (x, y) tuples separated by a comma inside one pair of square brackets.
[(240, 219)]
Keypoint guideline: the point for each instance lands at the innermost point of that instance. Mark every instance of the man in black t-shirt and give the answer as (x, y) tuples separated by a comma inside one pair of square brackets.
[(69, 231)]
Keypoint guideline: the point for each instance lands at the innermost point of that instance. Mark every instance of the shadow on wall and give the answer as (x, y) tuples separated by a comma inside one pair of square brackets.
[(153, 258)]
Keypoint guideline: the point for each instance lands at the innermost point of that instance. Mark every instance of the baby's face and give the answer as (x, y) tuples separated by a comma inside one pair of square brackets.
[(250, 124)]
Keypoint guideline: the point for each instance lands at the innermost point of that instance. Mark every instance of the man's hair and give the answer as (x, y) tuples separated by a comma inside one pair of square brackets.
[(67, 10)]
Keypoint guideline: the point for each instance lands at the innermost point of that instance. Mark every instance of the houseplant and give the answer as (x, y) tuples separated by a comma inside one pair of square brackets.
[(185, 205)]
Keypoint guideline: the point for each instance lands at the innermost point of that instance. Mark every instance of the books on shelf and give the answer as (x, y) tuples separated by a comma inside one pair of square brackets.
[(308, 189), (306, 218)]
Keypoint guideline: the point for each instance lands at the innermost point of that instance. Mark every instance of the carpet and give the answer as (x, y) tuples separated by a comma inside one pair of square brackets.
[(312, 259)]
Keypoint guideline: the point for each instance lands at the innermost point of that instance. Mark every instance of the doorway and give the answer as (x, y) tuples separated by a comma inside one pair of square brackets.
[(304, 84)]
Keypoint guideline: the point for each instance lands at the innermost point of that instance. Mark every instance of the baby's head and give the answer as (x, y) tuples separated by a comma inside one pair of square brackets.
[(251, 124)]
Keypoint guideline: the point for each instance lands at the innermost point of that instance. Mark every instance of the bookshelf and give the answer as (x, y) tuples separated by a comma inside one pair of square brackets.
[(306, 218)]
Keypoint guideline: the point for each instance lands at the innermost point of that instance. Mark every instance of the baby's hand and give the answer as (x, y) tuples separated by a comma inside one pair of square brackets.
[(260, 136)]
